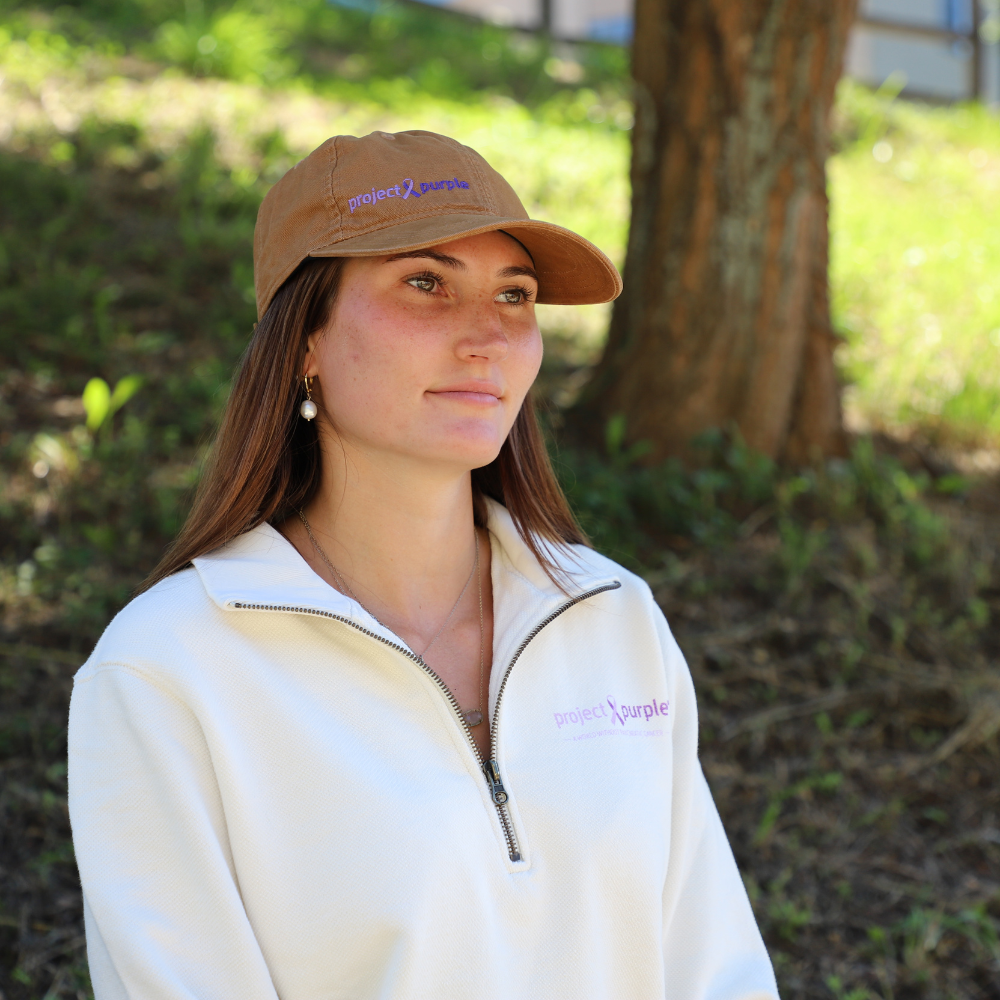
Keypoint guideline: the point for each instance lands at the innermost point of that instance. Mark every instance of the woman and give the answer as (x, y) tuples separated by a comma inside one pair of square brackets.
[(380, 725)]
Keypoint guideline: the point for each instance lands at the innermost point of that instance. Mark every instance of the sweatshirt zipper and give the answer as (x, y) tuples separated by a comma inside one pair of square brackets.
[(490, 768)]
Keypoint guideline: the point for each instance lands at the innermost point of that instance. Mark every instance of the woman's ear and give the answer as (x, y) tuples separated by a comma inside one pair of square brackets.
[(311, 368)]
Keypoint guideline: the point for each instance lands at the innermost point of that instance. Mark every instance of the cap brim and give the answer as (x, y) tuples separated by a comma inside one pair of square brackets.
[(571, 270)]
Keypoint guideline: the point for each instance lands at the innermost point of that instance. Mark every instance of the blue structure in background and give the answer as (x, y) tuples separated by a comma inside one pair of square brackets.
[(935, 63), (958, 15), (915, 38), (368, 6), (617, 30)]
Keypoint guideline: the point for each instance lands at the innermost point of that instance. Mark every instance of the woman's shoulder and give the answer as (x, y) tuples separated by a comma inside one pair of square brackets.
[(147, 633), (595, 564), (587, 570)]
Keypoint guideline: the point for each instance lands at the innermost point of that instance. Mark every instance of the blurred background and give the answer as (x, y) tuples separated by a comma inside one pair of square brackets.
[(839, 613)]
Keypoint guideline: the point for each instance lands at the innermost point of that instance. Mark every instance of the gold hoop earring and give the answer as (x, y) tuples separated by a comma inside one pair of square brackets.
[(308, 409)]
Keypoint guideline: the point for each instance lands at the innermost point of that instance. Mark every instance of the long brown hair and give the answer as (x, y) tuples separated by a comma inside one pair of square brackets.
[(266, 461)]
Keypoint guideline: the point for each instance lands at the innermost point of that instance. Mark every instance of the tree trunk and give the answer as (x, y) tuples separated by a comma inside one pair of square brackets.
[(725, 315)]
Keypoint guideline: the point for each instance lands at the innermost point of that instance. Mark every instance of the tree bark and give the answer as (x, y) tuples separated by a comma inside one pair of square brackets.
[(725, 315)]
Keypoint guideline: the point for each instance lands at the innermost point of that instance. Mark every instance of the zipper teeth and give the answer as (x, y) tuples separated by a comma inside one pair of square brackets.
[(392, 645), (505, 821), (494, 727)]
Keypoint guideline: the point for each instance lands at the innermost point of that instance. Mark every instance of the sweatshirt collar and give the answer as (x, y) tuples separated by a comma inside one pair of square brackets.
[(262, 569)]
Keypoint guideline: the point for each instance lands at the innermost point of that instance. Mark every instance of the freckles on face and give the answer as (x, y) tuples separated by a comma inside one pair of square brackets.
[(430, 355), (372, 368)]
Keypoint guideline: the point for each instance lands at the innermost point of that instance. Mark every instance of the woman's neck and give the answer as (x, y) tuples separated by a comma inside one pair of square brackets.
[(400, 533)]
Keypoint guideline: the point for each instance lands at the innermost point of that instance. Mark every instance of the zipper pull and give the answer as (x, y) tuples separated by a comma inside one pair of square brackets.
[(492, 771)]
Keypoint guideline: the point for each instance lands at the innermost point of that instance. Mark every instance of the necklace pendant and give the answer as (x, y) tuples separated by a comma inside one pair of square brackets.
[(473, 718)]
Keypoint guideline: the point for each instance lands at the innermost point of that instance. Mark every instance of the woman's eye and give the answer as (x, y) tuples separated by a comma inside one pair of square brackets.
[(425, 284), (512, 296)]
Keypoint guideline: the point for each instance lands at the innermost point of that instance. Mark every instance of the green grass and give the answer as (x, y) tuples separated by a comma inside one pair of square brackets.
[(915, 265)]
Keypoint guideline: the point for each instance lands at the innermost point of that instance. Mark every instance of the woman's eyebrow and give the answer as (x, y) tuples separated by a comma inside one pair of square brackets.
[(517, 270), (441, 258)]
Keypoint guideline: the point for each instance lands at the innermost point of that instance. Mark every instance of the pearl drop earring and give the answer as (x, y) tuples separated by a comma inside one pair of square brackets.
[(308, 409)]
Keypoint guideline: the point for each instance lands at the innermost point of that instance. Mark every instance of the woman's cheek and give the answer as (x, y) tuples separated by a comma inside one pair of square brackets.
[(528, 361)]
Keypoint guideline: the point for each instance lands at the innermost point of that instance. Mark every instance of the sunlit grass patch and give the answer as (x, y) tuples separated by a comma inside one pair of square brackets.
[(915, 267)]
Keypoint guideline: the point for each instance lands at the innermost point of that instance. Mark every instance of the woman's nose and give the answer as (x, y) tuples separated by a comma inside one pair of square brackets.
[(482, 334)]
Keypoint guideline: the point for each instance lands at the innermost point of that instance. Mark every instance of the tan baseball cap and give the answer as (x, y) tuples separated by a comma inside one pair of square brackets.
[(390, 192)]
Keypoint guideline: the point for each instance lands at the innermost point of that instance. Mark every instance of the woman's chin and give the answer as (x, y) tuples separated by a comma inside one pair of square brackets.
[(470, 445), (462, 456)]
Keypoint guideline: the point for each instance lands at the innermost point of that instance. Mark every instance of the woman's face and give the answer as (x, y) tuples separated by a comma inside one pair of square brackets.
[(428, 354)]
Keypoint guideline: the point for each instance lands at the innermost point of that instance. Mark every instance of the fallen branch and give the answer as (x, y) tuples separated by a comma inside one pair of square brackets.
[(782, 713), (983, 723)]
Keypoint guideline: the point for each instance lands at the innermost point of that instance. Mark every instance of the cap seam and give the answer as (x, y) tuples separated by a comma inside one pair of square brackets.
[(476, 168), (330, 195)]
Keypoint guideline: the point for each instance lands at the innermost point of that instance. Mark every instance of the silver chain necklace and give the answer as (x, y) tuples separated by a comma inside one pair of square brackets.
[(474, 716)]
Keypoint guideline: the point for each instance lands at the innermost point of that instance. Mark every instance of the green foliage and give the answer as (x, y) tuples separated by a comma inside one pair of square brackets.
[(321, 45), (147, 286), (629, 508), (40, 905), (917, 942), (632, 510), (234, 44), (101, 404), (837, 989)]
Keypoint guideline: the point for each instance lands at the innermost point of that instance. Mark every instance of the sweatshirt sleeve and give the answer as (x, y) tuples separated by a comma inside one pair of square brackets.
[(712, 948), (164, 917)]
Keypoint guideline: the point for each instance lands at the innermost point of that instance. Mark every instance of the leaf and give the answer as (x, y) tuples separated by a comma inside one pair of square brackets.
[(96, 402), (639, 450), (124, 391), (614, 434), (101, 404)]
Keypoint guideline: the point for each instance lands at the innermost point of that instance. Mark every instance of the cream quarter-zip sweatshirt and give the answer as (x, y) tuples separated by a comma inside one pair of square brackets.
[(271, 797)]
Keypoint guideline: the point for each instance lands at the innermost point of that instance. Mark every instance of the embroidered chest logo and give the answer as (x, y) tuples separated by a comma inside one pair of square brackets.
[(612, 718), (409, 187)]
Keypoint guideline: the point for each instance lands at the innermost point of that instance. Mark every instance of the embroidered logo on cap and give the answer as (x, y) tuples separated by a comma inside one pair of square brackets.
[(409, 188)]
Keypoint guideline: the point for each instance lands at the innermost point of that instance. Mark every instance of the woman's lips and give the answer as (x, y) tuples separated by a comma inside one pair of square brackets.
[(461, 396), (477, 395)]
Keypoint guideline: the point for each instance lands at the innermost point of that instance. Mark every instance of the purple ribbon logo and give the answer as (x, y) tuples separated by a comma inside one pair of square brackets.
[(409, 187), (620, 714)]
